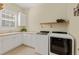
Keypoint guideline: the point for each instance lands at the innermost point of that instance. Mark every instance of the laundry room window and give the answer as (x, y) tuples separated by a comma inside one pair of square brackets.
[(8, 19)]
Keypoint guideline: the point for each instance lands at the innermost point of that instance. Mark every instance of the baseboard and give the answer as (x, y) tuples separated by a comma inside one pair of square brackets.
[(17, 47), (11, 50), (38, 53), (28, 46)]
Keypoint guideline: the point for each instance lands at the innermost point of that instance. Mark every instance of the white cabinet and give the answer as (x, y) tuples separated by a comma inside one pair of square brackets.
[(7, 43), (42, 44), (19, 39), (39, 42), (11, 41), (1, 45), (30, 39)]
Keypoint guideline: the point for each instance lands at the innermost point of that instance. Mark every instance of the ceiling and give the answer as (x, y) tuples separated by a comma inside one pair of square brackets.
[(27, 5), (30, 5)]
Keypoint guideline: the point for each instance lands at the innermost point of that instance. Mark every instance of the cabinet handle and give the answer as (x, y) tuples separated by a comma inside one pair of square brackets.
[(78, 49)]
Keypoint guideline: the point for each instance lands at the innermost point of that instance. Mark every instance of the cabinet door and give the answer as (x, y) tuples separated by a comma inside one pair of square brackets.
[(10, 42), (1, 45), (18, 39), (7, 44), (15, 40), (42, 44), (29, 39)]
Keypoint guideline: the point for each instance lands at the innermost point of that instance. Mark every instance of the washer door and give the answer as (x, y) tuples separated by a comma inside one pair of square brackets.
[(61, 46)]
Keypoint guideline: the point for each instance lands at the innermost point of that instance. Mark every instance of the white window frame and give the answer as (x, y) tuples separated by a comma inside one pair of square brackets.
[(15, 19)]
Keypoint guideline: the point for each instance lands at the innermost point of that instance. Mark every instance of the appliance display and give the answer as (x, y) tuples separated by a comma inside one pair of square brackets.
[(61, 43), (61, 46)]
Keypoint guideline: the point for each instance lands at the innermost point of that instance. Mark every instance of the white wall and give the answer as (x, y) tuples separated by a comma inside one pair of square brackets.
[(74, 24), (51, 12), (45, 13)]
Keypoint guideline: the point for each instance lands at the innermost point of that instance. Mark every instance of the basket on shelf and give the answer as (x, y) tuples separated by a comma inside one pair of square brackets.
[(60, 20)]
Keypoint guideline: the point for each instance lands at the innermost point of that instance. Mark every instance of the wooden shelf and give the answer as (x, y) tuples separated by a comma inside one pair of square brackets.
[(51, 23), (55, 23)]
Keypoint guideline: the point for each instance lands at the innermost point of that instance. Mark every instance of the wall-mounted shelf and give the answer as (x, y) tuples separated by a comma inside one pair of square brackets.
[(50, 24)]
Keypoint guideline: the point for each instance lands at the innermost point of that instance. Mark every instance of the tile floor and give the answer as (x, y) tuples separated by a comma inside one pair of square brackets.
[(22, 50)]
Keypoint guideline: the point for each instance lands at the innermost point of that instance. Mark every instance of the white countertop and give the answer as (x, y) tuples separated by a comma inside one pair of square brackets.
[(8, 33), (14, 33)]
